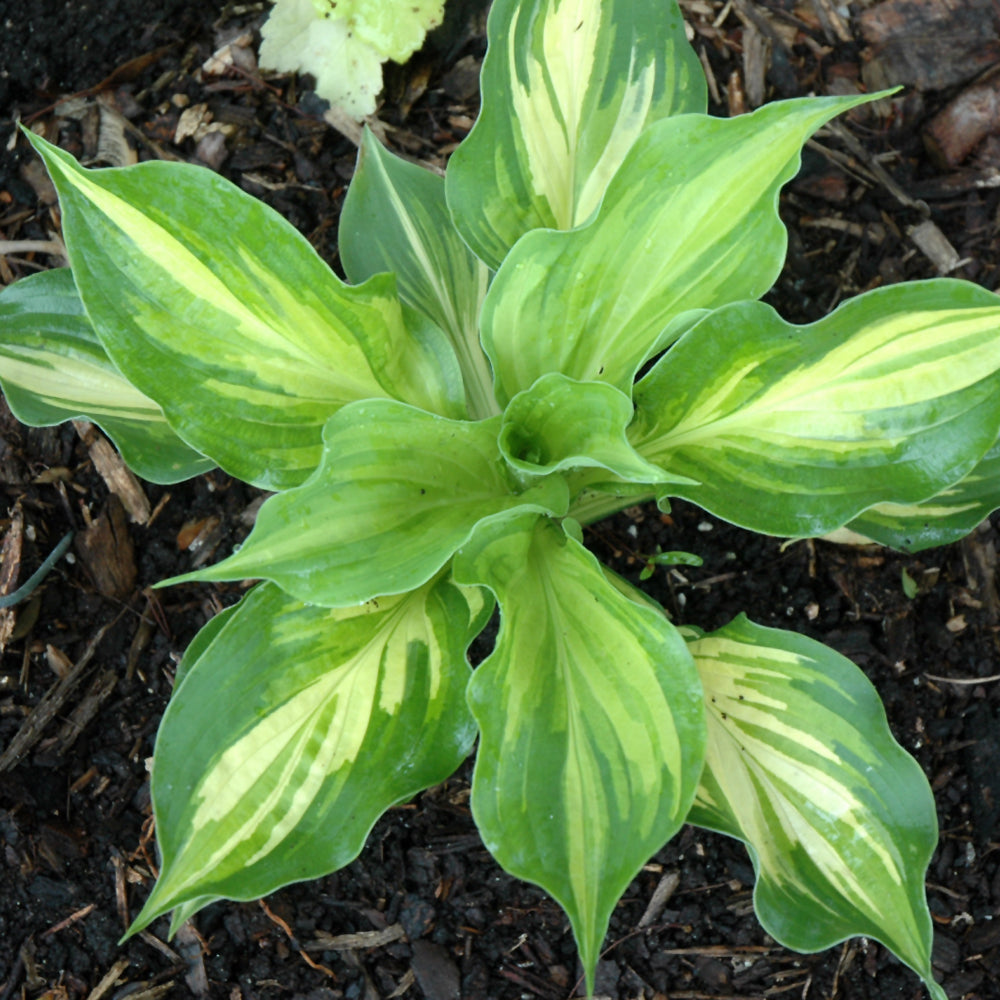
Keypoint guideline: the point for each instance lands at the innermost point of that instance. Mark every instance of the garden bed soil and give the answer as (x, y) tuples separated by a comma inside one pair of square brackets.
[(424, 911)]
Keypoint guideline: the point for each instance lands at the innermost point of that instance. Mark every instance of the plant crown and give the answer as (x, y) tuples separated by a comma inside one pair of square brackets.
[(438, 431)]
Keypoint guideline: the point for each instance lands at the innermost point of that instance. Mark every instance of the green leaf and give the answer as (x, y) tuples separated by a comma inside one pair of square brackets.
[(299, 35), (690, 221), (397, 492), (591, 721), (945, 518), (568, 86), (205, 635), (53, 368), (795, 430), (214, 306), (395, 219), (296, 728), (801, 766), (394, 30), (562, 424)]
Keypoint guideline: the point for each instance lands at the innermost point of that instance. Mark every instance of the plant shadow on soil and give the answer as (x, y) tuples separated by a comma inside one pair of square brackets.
[(74, 812)]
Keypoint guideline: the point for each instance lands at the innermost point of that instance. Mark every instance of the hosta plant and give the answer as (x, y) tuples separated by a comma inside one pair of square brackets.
[(564, 325)]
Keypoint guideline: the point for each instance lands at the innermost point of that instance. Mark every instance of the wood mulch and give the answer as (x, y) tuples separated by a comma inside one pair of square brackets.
[(907, 189)]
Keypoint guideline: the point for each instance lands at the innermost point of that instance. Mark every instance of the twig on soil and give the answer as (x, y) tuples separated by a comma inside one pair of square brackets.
[(832, 23), (312, 963), (70, 920), (109, 979), (875, 168), (161, 946), (963, 680), (121, 896), (100, 690), (10, 987), (153, 992), (51, 704), (55, 247)]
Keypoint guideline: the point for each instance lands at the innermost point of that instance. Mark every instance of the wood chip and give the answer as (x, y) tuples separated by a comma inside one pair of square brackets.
[(119, 478), (109, 979), (461, 82), (59, 663), (833, 24), (191, 948), (404, 984), (735, 95), (928, 44), (955, 131), (957, 623), (191, 123), (661, 896), (873, 232), (356, 942), (193, 533), (351, 129), (935, 246), (34, 173), (437, 975), (756, 59), (107, 553), (112, 146), (236, 54), (10, 567)]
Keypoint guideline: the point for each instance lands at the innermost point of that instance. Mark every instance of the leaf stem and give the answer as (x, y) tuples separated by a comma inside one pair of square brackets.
[(40, 574), (591, 506), (478, 378)]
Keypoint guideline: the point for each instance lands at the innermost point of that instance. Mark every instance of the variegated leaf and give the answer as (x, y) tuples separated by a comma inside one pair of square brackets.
[(801, 766), (568, 86), (591, 723), (214, 306), (205, 635), (53, 368), (795, 430), (689, 222), (560, 424), (395, 219), (397, 492), (947, 517), (295, 728)]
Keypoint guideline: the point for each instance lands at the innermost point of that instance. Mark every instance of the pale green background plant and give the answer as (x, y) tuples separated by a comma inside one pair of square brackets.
[(439, 432), (343, 44)]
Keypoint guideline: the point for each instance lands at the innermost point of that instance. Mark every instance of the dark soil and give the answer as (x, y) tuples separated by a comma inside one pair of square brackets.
[(87, 672)]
